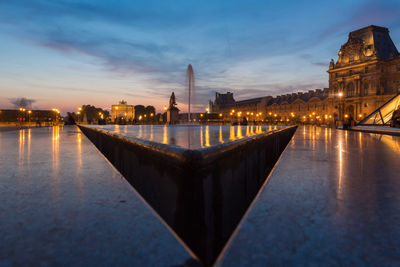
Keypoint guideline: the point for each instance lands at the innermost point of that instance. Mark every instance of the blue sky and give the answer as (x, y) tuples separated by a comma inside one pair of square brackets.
[(68, 53)]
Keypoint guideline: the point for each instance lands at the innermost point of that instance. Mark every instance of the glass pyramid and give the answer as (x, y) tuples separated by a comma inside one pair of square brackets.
[(383, 114)]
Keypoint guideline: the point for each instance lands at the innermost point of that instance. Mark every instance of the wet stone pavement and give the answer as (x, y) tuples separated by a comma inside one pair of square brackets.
[(333, 198), (62, 203)]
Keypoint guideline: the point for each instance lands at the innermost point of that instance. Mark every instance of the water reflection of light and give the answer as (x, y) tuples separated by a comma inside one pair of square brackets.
[(55, 146), (165, 135), (232, 136), (140, 134), (207, 136), (221, 139), (201, 137), (247, 130), (392, 141), (340, 161), (239, 132), (117, 128), (21, 147), (151, 133), (79, 144), (29, 147)]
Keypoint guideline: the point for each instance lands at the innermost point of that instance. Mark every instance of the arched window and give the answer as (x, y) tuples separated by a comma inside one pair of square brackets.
[(366, 86), (350, 89)]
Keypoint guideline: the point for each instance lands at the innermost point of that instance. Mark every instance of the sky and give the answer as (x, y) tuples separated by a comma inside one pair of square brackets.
[(69, 53)]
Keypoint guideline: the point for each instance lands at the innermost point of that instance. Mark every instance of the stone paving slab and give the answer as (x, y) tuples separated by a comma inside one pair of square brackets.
[(62, 203), (333, 199)]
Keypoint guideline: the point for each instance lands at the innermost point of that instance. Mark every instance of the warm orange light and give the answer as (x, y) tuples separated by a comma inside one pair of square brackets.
[(29, 111), (116, 108), (340, 94), (220, 114), (233, 111), (345, 115), (201, 115)]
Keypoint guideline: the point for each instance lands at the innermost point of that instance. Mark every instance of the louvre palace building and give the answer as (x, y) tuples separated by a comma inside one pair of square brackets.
[(365, 76)]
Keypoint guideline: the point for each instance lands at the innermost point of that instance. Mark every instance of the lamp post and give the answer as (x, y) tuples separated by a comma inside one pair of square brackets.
[(341, 106)]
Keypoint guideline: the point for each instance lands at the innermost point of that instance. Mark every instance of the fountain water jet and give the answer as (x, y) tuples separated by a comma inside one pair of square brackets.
[(190, 85)]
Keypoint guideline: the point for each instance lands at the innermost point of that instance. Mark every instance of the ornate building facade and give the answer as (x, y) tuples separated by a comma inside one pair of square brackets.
[(122, 111), (365, 76)]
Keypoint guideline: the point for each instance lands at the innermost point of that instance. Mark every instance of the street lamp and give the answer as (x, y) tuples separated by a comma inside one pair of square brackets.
[(341, 106)]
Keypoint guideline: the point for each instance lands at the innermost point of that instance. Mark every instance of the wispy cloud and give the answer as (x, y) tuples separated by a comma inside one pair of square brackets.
[(252, 48)]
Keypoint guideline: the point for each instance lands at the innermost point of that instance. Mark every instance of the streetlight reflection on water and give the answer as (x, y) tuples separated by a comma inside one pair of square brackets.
[(189, 136)]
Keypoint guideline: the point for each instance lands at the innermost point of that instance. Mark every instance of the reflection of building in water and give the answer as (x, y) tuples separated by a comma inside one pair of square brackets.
[(366, 75), (122, 112)]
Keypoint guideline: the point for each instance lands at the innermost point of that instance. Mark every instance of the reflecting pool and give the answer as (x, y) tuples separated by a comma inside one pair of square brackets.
[(188, 136)]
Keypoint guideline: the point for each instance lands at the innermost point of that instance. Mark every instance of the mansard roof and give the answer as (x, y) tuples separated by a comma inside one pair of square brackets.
[(366, 44)]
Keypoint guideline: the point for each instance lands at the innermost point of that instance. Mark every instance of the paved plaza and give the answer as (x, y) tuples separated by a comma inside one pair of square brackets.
[(333, 198)]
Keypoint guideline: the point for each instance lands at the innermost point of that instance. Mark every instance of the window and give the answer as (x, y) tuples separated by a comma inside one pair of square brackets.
[(350, 90), (351, 72), (366, 69), (366, 86), (398, 67)]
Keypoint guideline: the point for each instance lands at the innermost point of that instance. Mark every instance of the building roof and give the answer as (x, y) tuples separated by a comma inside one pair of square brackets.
[(366, 44)]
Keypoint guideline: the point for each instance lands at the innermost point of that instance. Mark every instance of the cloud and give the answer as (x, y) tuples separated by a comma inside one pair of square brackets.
[(251, 48)]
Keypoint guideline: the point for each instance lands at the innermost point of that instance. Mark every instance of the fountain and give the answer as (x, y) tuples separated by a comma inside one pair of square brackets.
[(190, 85)]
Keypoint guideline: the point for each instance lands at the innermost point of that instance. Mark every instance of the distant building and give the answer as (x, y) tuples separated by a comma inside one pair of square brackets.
[(366, 75), (122, 112), (23, 115)]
